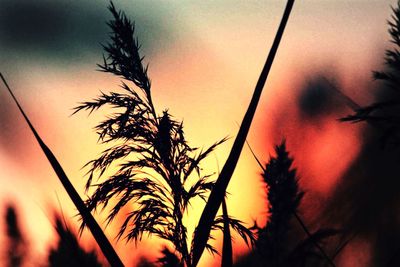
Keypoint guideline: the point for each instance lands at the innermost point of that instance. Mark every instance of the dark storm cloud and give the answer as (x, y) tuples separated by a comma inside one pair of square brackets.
[(68, 30), (319, 97)]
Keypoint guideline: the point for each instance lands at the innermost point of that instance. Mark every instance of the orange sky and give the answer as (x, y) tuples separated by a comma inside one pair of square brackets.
[(205, 76)]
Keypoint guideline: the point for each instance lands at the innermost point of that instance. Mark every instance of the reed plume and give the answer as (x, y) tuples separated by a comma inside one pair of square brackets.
[(284, 198), (274, 243), (154, 163)]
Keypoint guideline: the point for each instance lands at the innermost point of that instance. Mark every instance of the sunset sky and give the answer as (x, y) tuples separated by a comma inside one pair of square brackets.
[(204, 60)]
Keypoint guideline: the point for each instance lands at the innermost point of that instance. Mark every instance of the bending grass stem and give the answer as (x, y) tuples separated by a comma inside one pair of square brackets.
[(87, 217)]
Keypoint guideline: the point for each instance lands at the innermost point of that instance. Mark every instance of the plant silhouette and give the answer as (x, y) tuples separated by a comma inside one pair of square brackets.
[(87, 217), (16, 243), (169, 259), (227, 253), (144, 262), (150, 169), (218, 193), (374, 172), (277, 243), (157, 172), (68, 251), (283, 197), (384, 114)]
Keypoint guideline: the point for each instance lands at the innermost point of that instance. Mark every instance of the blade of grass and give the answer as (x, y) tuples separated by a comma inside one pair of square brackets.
[(227, 254), (214, 202), (87, 217)]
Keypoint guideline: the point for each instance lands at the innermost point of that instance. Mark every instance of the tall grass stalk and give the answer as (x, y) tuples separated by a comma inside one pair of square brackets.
[(217, 194), (154, 171), (227, 252), (87, 217)]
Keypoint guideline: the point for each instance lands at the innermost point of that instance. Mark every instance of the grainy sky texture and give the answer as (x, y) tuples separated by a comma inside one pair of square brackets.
[(204, 59)]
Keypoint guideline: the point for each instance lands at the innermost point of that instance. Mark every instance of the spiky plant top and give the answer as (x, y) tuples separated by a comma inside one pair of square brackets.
[(384, 113), (149, 152), (284, 197), (68, 251)]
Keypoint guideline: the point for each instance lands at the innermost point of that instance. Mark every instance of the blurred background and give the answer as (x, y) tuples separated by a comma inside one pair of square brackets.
[(204, 60)]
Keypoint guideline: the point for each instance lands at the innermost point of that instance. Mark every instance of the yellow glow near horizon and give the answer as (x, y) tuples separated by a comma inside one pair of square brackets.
[(206, 79)]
